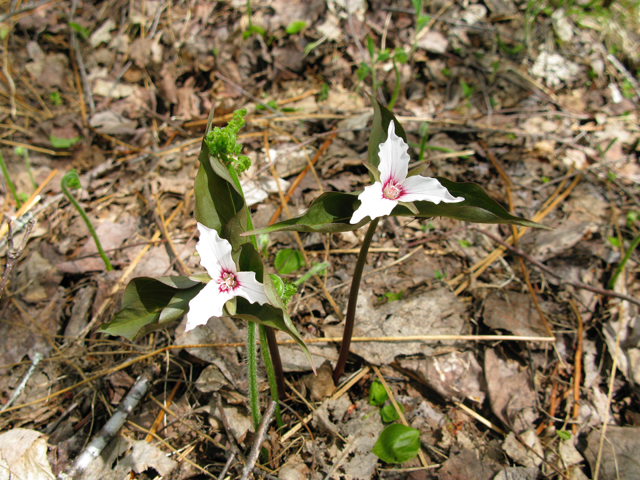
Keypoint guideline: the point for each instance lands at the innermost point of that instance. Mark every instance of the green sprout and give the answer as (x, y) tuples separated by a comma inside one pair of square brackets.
[(10, 184), (71, 180), (55, 98), (223, 143), (24, 153)]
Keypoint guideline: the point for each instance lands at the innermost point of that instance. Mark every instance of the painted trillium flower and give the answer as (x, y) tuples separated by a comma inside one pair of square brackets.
[(226, 281), (379, 199)]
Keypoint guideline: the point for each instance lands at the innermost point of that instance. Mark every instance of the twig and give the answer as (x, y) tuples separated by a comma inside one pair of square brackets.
[(227, 465), (261, 434), (577, 368), (112, 427), (225, 423), (34, 363), (75, 45), (14, 254), (568, 281)]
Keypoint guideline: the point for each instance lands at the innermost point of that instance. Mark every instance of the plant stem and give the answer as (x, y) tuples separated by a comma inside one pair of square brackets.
[(396, 89), (268, 343), (272, 361), (9, 182), (73, 176), (252, 364), (628, 253), (353, 301)]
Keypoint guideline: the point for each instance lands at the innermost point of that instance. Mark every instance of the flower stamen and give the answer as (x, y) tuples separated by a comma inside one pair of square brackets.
[(227, 281), (391, 191)]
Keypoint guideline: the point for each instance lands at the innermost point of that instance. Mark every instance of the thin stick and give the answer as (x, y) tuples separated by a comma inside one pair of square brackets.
[(14, 254), (261, 434), (112, 427), (568, 281), (577, 368), (37, 357)]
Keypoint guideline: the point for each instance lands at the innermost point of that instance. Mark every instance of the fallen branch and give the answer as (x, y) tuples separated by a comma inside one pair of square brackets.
[(112, 427), (260, 436)]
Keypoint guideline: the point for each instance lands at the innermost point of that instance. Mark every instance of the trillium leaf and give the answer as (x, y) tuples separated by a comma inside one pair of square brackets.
[(332, 211), (149, 304), (397, 444)]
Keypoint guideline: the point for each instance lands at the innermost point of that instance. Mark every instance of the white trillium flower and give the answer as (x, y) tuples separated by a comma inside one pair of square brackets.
[(226, 281), (379, 199)]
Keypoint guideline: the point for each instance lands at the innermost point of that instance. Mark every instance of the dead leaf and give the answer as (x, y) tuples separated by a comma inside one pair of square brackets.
[(620, 458), (23, 456), (512, 398), (517, 473), (465, 465), (434, 313), (454, 376), (527, 457), (144, 456), (514, 312), (320, 385)]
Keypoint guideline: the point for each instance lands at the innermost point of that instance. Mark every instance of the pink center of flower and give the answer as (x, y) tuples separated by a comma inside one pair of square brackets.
[(391, 191), (227, 281)]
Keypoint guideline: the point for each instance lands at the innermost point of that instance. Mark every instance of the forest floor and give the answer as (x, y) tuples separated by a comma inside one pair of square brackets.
[(537, 102)]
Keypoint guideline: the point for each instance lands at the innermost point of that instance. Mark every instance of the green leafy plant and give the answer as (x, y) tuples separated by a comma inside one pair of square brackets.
[(242, 288), (251, 29), (464, 243), (335, 212), (55, 98), (397, 444), (71, 180), (80, 30), (391, 297), (563, 434)]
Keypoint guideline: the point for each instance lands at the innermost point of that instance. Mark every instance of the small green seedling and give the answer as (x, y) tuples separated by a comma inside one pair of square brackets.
[(391, 297), (72, 180), (464, 243), (439, 275), (63, 143), (389, 413), (397, 444), (55, 98), (24, 153), (563, 434), (377, 394), (296, 27)]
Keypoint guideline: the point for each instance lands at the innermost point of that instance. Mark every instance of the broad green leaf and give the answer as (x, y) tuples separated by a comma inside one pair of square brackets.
[(63, 142), (389, 413), (377, 394), (217, 199), (296, 27), (149, 304), (397, 444), (288, 261), (371, 47), (332, 211)]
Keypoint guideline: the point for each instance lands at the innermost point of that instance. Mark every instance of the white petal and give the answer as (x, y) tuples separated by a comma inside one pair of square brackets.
[(215, 252), (394, 159), (425, 188), (373, 204), (250, 288), (208, 303)]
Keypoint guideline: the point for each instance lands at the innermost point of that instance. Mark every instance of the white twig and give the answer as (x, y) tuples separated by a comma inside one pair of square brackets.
[(261, 434), (112, 427), (34, 363)]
